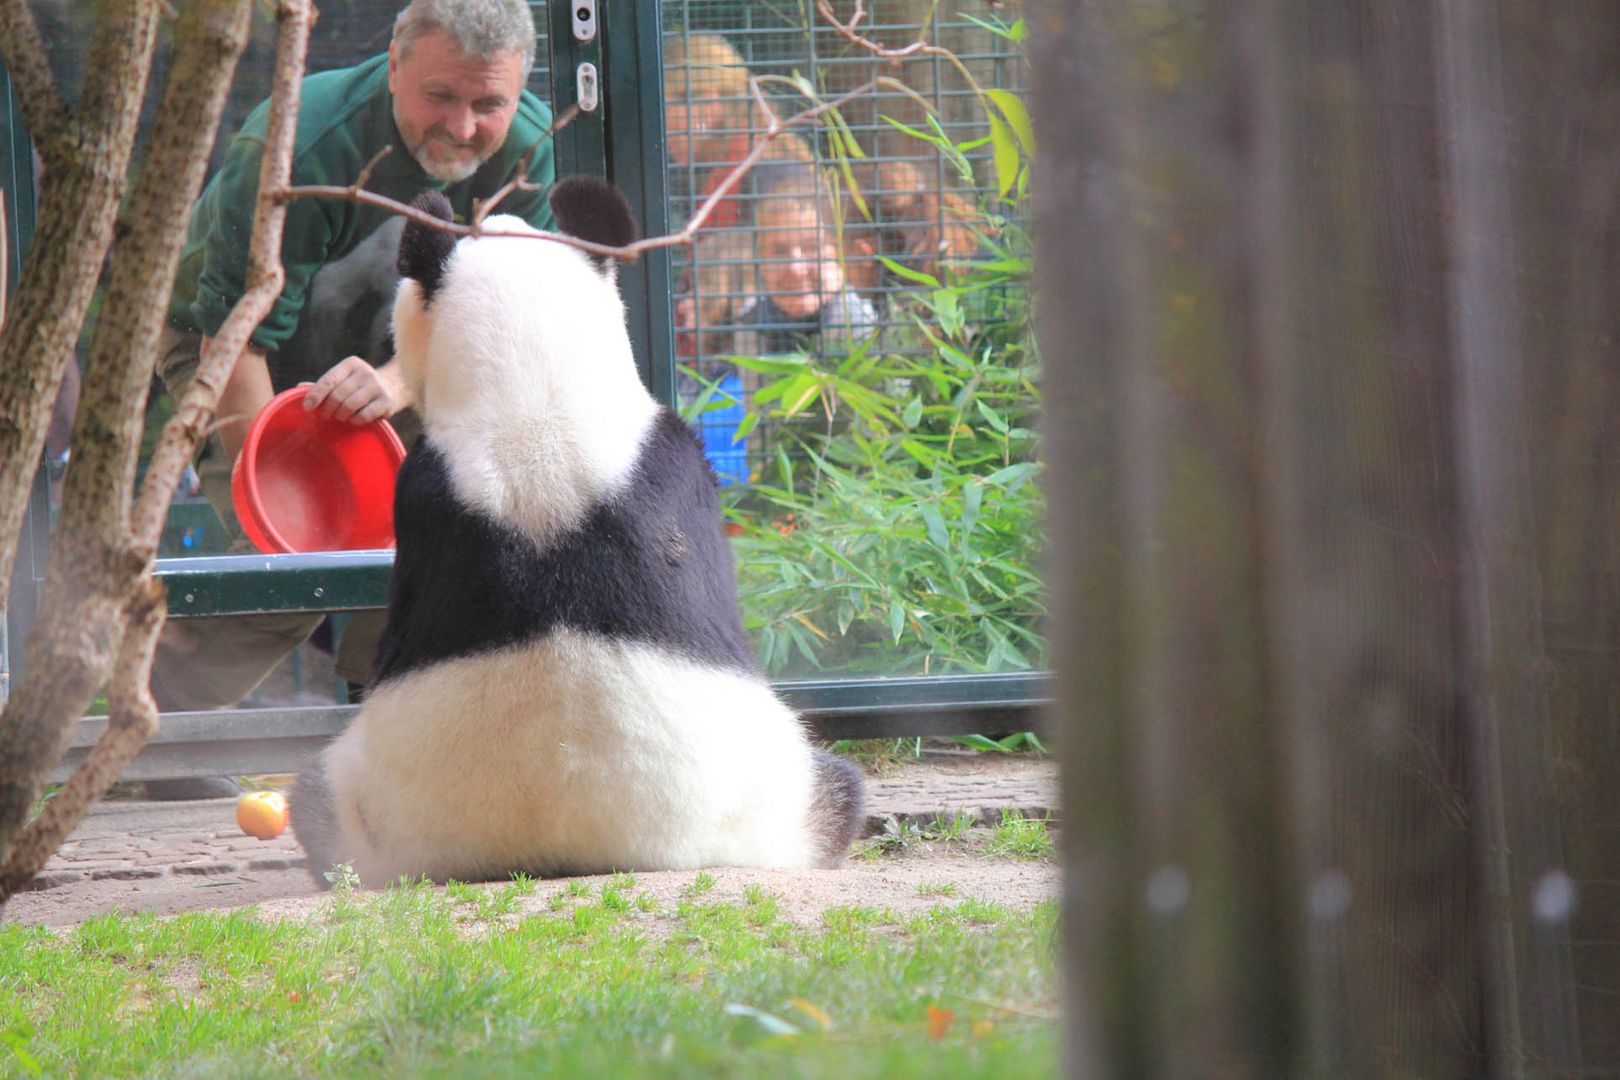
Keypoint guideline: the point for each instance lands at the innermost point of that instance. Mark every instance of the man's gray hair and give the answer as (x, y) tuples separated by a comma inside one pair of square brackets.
[(480, 28)]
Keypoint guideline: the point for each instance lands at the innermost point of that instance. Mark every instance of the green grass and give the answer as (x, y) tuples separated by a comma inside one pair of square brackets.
[(415, 981), (1017, 837), (952, 828)]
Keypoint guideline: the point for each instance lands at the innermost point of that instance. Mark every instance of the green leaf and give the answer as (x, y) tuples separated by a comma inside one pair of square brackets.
[(904, 271), (1013, 475), (913, 412), (980, 742), (809, 393), (948, 307), (936, 526), (1006, 154), (913, 132), (996, 420), (972, 499), (1012, 107), (843, 147), (771, 365), (749, 422), (1015, 33), (897, 619)]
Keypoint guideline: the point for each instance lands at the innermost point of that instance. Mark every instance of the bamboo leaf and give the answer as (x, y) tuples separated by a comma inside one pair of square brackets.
[(804, 620), (995, 419), (1012, 107), (1005, 154), (810, 391), (972, 498), (913, 412), (842, 145), (913, 132), (770, 365), (935, 525), (904, 271)]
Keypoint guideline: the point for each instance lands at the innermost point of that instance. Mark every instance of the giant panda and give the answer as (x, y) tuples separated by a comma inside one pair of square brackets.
[(563, 683)]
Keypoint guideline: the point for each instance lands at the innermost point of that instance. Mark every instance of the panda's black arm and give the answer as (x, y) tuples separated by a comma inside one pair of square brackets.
[(418, 548)]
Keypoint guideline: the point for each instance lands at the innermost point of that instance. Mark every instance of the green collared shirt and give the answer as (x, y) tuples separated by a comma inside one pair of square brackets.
[(344, 118)]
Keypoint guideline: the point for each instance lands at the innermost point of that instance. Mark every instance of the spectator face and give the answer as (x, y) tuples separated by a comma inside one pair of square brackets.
[(452, 110), (799, 263), (694, 128)]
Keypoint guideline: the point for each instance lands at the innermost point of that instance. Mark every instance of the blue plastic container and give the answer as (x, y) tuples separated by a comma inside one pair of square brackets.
[(727, 454)]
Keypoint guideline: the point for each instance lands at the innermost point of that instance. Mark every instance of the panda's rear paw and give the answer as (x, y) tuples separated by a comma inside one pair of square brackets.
[(838, 809), (314, 820)]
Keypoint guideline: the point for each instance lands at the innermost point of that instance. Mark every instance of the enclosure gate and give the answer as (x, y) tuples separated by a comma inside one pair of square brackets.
[(622, 138)]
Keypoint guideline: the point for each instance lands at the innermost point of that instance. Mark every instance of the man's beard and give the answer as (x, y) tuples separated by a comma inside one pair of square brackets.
[(450, 170)]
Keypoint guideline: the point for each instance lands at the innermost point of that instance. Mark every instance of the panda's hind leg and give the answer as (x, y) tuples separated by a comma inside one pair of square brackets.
[(838, 807), (314, 819)]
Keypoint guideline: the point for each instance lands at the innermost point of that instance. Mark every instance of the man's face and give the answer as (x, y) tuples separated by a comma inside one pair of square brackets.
[(452, 109), (798, 260), (693, 129)]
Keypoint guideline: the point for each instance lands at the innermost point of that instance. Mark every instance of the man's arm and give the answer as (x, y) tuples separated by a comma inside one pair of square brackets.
[(246, 391)]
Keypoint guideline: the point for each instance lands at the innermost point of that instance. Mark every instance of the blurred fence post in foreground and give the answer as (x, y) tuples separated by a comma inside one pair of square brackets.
[(1330, 301)]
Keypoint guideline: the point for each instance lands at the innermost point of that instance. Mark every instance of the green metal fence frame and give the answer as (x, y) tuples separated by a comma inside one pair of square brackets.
[(622, 139)]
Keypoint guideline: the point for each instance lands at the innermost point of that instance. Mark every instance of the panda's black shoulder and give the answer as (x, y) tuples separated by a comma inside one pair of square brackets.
[(672, 453)]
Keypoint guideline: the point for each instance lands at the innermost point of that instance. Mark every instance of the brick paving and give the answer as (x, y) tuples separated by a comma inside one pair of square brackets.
[(132, 855)]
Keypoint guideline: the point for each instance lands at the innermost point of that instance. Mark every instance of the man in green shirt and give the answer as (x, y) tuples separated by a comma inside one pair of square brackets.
[(448, 97)]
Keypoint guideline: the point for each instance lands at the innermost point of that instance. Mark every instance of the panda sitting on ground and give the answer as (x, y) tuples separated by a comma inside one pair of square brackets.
[(563, 684)]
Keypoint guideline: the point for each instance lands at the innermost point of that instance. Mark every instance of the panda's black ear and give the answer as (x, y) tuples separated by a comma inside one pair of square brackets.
[(590, 208), (423, 250)]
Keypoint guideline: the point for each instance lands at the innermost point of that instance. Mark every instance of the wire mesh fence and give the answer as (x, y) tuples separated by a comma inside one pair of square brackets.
[(824, 245)]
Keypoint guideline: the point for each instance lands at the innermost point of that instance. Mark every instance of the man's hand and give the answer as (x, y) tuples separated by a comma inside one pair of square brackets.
[(358, 393)]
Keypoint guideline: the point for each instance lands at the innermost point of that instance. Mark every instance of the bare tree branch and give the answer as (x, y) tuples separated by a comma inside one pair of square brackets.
[(30, 70), (78, 204), (106, 438), (132, 719)]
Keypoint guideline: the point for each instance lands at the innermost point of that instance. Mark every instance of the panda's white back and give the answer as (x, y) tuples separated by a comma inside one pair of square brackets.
[(540, 411)]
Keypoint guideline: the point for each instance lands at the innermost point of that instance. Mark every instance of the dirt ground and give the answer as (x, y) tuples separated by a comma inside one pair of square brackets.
[(163, 858)]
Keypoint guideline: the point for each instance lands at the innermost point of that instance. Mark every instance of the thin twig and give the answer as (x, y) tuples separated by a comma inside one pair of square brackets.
[(628, 252), (520, 181), (365, 173), (920, 47)]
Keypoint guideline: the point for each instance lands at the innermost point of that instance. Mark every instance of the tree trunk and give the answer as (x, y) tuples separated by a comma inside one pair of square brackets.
[(86, 158), (99, 598)]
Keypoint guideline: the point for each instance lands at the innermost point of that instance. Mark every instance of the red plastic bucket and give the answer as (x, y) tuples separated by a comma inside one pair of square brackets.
[(306, 482)]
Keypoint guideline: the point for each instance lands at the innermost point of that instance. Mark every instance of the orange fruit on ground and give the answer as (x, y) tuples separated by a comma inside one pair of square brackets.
[(262, 814)]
